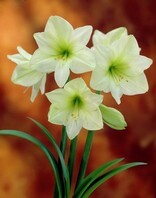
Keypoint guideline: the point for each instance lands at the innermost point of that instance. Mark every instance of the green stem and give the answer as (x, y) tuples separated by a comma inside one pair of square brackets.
[(63, 149), (85, 157), (71, 159), (63, 141)]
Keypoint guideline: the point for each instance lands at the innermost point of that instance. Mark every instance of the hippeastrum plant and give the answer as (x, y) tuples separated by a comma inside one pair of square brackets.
[(116, 66)]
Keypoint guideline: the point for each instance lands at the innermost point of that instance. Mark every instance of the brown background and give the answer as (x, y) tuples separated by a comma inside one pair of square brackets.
[(24, 170)]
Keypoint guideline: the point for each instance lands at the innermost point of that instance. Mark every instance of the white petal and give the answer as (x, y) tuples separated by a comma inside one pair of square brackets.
[(135, 85), (116, 34), (98, 37), (61, 73), (116, 92), (35, 90), (57, 115), (77, 85), (59, 27), (56, 96), (38, 86), (73, 127), (42, 62), (84, 61), (81, 36), (42, 84), (99, 80), (46, 43), (21, 59), (92, 120), (25, 77), (25, 54), (126, 48), (93, 99), (102, 56), (141, 62)]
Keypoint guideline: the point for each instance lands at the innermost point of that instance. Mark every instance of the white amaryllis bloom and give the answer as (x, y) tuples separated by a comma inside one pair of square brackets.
[(26, 76), (62, 48), (75, 107), (120, 67)]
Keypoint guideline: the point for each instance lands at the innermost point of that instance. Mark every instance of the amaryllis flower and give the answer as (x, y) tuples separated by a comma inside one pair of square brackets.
[(61, 49), (26, 76), (75, 107), (119, 66)]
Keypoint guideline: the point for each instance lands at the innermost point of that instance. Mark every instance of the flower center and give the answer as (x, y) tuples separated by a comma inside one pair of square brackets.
[(77, 101), (77, 104), (64, 51), (116, 71)]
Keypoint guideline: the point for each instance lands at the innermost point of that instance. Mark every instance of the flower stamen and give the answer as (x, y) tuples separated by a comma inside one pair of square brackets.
[(77, 104)]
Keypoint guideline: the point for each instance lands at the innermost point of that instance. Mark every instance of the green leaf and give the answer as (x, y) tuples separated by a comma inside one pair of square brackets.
[(101, 179), (82, 187), (85, 157), (48, 154), (113, 118), (72, 155), (63, 164)]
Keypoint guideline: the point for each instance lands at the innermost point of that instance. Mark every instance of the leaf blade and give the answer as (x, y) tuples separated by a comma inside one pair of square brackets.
[(48, 154), (94, 175), (108, 175)]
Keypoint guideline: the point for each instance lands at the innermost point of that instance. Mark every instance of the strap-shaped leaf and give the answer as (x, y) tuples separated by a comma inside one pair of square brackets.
[(101, 179), (63, 164), (88, 180), (48, 154)]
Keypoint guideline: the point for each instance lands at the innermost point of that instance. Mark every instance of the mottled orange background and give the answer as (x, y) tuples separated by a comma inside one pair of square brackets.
[(24, 170)]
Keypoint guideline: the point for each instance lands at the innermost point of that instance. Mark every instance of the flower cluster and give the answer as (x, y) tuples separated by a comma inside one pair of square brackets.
[(114, 60)]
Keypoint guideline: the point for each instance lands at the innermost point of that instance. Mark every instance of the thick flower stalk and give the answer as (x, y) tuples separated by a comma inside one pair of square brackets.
[(119, 65), (26, 76), (61, 49), (75, 107)]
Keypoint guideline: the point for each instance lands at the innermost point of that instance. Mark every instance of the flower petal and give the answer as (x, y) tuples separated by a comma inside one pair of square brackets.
[(100, 38), (83, 61), (92, 120), (42, 84), (117, 33), (141, 62), (116, 91), (21, 59), (25, 77), (57, 115), (135, 85), (35, 90), (61, 73), (42, 62), (25, 54), (99, 80), (126, 47), (57, 96), (46, 43), (59, 27), (73, 127), (81, 36)]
